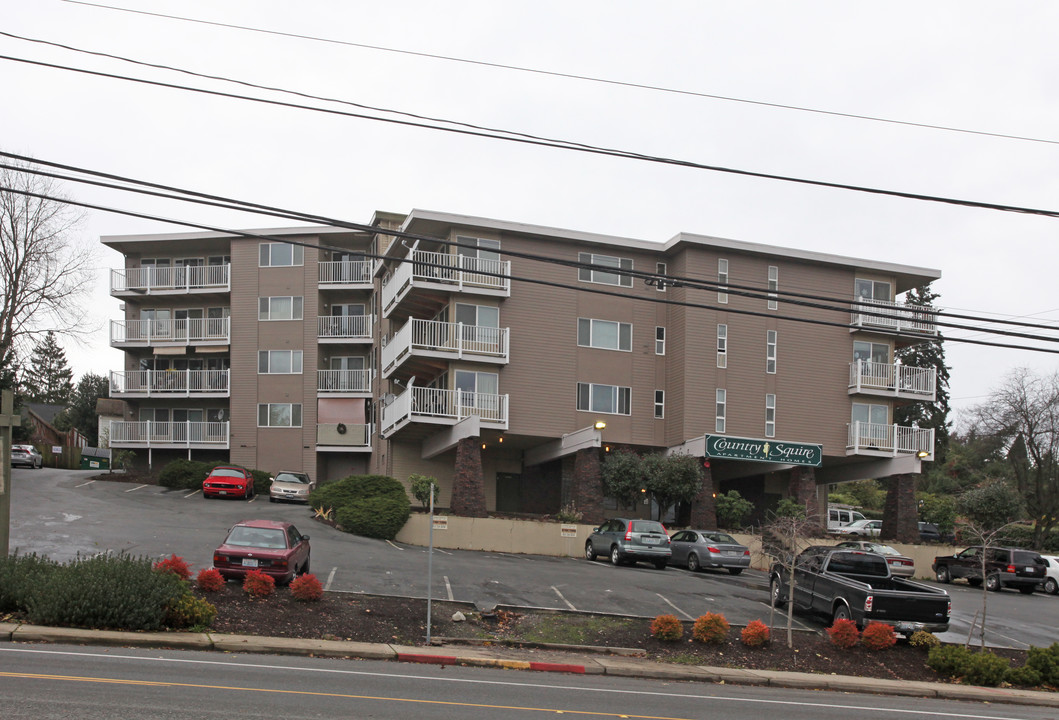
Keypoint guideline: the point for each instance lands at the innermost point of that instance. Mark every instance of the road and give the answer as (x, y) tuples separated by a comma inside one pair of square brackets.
[(64, 513), (53, 682)]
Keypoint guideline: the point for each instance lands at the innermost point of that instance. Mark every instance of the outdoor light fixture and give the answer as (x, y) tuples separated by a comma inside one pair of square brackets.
[(922, 454), (600, 425), (483, 446)]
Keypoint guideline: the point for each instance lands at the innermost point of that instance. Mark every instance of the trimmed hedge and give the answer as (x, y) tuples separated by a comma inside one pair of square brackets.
[(370, 505), (184, 474), (20, 577)]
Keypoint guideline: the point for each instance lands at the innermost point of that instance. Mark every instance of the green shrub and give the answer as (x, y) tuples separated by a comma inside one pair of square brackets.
[(923, 640), (262, 480), (189, 611), (421, 488), (667, 628), (355, 487), (985, 668), (710, 628), (184, 474), (1024, 676), (377, 517), (733, 509), (106, 592), (1046, 662), (20, 577), (948, 660)]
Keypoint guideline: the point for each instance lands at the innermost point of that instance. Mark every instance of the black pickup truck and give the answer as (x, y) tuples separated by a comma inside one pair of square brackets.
[(856, 585)]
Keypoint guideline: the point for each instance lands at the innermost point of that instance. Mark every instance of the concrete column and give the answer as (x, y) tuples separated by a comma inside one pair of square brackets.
[(803, 491), (704, 505), (900, 514), (468, 491), (587, 489)]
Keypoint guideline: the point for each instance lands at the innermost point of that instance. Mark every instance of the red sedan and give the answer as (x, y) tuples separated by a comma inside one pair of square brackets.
[(275, 548), (228, 481)]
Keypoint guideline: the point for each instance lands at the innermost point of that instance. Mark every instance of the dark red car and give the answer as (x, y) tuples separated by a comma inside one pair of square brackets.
[(275, 548), (228, 481)]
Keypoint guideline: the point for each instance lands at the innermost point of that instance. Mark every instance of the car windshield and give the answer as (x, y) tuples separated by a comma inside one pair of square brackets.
[(881, 549), (720, 537), (292, 478), (243, 536), (226, 472), (647, 526)]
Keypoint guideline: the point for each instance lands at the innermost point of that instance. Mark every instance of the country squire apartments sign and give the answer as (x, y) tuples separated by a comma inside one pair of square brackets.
[(733, 448)]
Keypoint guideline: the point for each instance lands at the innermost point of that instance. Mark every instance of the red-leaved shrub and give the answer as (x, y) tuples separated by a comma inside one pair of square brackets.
[(878, 636), (844, 633), (174, 564), (755, 634), (710, 628), (209, 580), (667, 628), (306, 588), (258, 584)]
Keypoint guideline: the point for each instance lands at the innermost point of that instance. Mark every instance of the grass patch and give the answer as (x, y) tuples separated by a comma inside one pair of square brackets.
[(579, 630), (681, 659)]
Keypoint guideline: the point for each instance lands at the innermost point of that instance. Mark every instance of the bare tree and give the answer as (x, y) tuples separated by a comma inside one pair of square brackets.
[(45, 270), (783, 536)]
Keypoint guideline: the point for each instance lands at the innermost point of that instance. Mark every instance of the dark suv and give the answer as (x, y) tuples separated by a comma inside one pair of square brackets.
[(626, 541), (1004, 567)]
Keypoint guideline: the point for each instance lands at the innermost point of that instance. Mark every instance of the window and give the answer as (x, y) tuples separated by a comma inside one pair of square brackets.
[(722, 281), (609, 399), (770, 352), (872, 290), (874, 414), (770, 415), (280, 255), (481, 248), (722, 404), (279, 415), (481, 326), (871, 352), (660, 341), (602, 276), (722, 346), (660, 270), (660, 404), (478, 389), (604, 334), (279, 362), (279, 308), (774, 286)]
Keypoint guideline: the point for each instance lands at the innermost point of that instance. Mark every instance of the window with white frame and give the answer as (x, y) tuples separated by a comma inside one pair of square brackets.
[(869, 290), (722, 346), (280, 255), (770, 415), (722, 281), (660, 270), (871, 352), (660, 404), (774, 286), (609, 399), (871, 424), (660, 341), (604, 334), (279, 362), (722, 410), (481, 248), (770, 352), (279, 415), (605, 277), (284, 307)]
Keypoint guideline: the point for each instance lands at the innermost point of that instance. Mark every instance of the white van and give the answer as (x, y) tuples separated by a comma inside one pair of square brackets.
[(840, 517)]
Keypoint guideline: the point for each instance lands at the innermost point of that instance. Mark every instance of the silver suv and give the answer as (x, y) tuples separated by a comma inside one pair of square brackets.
[(627, 541)]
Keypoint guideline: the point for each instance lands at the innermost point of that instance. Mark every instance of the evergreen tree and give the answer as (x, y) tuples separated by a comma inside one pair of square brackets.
[(48, 379), (927, 354), (81, 414)]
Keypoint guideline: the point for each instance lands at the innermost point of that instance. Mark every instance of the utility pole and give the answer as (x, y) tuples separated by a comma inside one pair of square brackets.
[(8, 420)]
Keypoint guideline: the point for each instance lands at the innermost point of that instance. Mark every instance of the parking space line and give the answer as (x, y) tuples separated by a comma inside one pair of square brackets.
[(192, 494), (330, 577), (84, 483), (568, 603), (666, 600), (391, 544), (135, 488), (448, 588)]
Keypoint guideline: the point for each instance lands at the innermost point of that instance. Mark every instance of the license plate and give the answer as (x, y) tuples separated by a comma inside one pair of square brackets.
[(222, 492), (732, 552), (249, 562), (1031, 570), (650, 540)]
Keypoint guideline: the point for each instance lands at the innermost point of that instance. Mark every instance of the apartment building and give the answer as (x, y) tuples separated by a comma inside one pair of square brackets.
[(454, 346)]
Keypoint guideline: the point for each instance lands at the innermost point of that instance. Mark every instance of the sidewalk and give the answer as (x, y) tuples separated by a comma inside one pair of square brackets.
[(596, 661)]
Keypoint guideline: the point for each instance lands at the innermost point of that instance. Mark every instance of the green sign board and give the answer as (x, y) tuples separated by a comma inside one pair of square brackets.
[(774, 451)]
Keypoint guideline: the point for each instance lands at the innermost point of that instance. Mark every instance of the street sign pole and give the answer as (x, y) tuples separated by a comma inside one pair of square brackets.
[(8, 420), (430, 562)]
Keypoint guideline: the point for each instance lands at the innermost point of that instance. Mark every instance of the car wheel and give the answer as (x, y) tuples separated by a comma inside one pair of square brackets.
[(841, 613), (693, 562), (590, 552), (735, 571), (615, 556), (942, 575), (661, 564), (1051, 586), (992, 583), (774, 593)]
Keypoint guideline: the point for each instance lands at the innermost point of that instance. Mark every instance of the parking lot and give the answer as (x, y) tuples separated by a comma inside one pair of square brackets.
[(64, 513)]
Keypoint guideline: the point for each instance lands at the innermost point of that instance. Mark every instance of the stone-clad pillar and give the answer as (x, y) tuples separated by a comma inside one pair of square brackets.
[(803, 491), (468, 491), (900, 514), (704, 504), (587, 491)]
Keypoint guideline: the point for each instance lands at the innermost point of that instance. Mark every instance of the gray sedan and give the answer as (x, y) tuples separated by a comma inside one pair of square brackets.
[(900, 565), (709, 549)]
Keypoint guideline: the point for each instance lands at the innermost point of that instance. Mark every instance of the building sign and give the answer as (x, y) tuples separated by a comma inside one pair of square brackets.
[(568, 531), (441, 522), (774, 451)]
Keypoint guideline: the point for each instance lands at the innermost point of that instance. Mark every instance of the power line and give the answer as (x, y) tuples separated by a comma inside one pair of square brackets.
[(557, 144), (568, 76)]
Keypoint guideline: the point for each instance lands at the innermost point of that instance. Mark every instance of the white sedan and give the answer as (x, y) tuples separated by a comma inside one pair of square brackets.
[(1051, 580), (860, 528)]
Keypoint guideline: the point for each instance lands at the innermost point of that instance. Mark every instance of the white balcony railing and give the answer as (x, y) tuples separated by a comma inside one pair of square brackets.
[(444, 407), (894, 380), (179, 383), (354, 327), (343, 381), (147, 280), (145, 433), (345, 272), (344, 435), (190, 331), (459, 272), (894, 317), (879, 439), (445, 339)]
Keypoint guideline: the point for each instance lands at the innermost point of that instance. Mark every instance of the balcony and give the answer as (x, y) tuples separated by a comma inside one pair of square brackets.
[(345, 275), (445, 272), (133, 282), (443, 407), (897, 381), (147, 333), (344, 328), (343, 383), (148, 434), (446, 340), (342, 437), (889, 440), (169, 383), (893, 317)]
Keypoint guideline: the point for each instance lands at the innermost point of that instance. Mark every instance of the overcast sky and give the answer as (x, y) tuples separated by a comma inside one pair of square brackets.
[(989, 67)]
